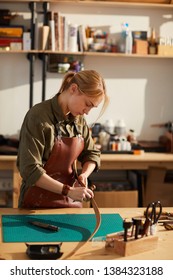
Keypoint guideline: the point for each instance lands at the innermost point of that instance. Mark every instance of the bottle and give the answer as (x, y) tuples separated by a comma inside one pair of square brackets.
[(131, 137), (122, 41), (152, 43), (129, 41), (73, 46), (109, 126), (120, 128)]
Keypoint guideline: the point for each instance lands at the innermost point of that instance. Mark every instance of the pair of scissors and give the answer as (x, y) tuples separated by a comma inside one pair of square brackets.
[(153, 212)]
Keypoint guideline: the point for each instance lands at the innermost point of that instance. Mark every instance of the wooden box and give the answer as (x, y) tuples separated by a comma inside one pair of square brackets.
[(165, 50), (133, 246), (140, 47)]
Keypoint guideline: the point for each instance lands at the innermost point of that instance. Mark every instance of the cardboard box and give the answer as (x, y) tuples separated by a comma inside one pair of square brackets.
[(140, 47), (165, 50), (116, 198)]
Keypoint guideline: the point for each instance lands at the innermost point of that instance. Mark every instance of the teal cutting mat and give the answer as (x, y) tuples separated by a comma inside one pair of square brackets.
[(72, 227)]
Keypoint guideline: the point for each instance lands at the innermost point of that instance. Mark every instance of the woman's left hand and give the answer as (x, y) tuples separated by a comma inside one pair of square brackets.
[(83, 180)]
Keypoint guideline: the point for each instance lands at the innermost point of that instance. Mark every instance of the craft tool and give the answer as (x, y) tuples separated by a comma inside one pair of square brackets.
[(126, 225), (44, 225), (154, 211), (146, 227), (137, 224)]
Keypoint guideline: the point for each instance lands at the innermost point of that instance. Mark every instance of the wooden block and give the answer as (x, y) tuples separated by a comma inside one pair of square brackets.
[(140, 47), (134, 246), (165, 50)]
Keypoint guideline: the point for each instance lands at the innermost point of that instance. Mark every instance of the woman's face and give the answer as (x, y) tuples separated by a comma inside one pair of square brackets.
[(79, 103)]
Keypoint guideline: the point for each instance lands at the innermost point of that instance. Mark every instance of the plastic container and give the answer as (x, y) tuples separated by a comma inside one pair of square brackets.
[(63, 67), (120, 128), (73, 47), (122, 41), (109, 126), (129, 42)]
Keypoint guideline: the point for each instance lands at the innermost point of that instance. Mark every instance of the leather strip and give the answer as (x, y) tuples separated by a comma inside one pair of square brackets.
[(98, 220)]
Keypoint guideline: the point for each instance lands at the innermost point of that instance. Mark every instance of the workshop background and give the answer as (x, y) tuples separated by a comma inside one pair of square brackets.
[(140, 88)]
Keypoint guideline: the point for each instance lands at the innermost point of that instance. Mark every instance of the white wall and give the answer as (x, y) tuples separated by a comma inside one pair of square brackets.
[(140, 89)]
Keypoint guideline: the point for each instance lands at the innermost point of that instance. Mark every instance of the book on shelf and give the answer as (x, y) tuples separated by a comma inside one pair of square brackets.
[(45, 36), (8, 41), (11, 31), (82, 40), (61, 31), (11, 43), (66, 33), (38, 31), (51, 43), (65, 36), (41, 33), (51, 37), (56, 18)]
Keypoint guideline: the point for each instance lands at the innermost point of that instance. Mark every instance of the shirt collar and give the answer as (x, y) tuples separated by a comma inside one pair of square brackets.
[(58, 113)]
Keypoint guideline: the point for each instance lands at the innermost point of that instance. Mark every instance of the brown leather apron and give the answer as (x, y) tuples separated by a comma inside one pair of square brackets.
[(60, 167)]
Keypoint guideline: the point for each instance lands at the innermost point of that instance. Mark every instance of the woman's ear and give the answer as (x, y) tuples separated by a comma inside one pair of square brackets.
[(73, 88)]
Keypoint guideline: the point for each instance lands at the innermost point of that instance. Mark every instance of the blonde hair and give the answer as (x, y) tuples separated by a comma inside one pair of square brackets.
[(89, 82)]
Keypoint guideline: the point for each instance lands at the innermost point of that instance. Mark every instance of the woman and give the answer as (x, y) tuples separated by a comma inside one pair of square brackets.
[(53, 135)]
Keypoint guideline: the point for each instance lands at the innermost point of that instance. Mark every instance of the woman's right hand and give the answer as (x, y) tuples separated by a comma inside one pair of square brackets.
[(80, 193)]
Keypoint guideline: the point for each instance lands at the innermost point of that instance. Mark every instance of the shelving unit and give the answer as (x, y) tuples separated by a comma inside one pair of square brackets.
[(163, 4), (112, 5)]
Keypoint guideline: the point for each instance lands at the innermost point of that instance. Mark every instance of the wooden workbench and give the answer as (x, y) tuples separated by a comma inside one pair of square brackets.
[(92, 250), (108, 162), (136, 162)]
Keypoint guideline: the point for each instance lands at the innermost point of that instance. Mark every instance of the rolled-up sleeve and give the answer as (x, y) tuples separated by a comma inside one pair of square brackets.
[(90, 152), (31, 150)]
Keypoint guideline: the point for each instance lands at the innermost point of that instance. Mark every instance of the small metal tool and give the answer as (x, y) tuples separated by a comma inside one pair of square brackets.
[(137, 223), (146, 227), (126, 225), (44, 225)]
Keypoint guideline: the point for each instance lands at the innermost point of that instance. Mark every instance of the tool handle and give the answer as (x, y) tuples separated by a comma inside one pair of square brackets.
[(44, 225)]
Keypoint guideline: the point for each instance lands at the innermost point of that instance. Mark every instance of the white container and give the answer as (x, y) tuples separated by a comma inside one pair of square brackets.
[(63, 67), (129, 42), (109, 126), (26, 41), (73, 47), (120, 128)]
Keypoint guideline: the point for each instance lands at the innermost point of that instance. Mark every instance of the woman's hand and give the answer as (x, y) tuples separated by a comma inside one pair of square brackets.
[(80, 193), (83, 180)]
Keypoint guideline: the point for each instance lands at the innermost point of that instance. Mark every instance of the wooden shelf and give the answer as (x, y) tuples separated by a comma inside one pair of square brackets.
[(128, 4), (148, 4), (94, 54), (161, 4)]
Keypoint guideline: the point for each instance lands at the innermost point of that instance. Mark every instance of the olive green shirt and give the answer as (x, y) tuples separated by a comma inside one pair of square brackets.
[(41, 125)]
